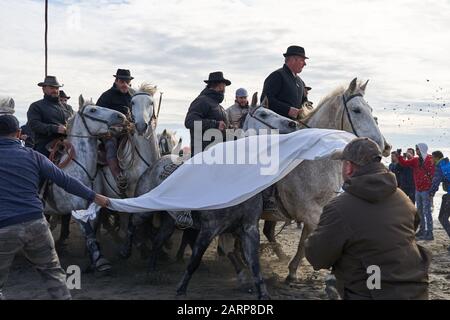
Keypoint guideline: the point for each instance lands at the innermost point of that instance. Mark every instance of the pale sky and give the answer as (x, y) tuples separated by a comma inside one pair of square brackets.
[(403, 47)]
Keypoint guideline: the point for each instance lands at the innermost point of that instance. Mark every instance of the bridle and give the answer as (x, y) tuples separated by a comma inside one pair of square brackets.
[(251, 113), (83, 117), (346, 111)]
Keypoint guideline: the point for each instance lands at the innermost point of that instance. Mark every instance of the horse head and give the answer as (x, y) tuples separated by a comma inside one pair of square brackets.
[(143, 107)]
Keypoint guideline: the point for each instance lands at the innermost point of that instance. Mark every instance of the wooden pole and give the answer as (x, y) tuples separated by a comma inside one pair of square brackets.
[(45, 38)]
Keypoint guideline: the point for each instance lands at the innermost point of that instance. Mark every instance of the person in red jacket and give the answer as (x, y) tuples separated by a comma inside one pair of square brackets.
[(423, 172)]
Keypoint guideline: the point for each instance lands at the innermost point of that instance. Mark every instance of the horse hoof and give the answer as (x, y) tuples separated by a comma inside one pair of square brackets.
[(181, 294), (290, 279)]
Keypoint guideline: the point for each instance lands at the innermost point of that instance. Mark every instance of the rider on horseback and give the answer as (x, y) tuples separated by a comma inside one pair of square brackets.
[(117, 98)]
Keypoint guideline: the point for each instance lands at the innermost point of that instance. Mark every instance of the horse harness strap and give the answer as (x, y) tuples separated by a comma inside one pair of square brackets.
[(251, 114), (347, 111)]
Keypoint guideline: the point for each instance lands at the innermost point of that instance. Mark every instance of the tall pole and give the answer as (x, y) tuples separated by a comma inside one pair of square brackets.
[(46, 31)]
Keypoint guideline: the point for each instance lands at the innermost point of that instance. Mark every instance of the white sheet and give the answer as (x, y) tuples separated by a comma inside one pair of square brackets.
[(215, 186)]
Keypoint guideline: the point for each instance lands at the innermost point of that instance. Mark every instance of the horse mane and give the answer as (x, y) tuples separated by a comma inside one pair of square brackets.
[(334, 95), (147, 88)]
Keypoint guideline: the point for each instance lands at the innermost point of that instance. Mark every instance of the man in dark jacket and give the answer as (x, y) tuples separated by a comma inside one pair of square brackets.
[(283, 88), (442, 175), (47, 118), (117, 98), (404, 177), (367, 234), (205, 112), (22, 224), (63, 98)]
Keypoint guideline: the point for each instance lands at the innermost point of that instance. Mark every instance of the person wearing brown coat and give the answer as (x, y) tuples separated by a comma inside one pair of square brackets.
[(371, 226)]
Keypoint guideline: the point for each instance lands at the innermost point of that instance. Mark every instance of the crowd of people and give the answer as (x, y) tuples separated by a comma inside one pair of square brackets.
[(419, 175)]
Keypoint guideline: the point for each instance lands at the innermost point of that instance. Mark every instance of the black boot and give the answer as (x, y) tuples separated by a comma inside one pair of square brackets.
[(98, 262)]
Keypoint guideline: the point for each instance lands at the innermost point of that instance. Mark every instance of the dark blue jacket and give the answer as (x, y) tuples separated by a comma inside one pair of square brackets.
[(439, 177), (20, 171), (404, 175)]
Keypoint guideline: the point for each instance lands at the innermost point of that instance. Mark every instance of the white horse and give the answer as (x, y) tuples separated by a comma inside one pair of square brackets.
[(138, 151), (7, 105), (83, 130), (303, 193), (168, 143)]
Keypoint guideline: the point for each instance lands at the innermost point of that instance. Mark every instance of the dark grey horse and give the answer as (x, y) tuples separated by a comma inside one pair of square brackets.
[(240, 220)]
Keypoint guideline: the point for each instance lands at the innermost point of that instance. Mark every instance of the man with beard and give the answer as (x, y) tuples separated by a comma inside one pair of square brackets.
[(205, 112), (47, 118)]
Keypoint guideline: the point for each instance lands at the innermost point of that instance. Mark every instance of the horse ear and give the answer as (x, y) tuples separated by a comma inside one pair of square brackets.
[(164, 132), (180, 140), (352, 86), (363, 87), (81, 101), (11, 104), (265, 102), (254, 99)]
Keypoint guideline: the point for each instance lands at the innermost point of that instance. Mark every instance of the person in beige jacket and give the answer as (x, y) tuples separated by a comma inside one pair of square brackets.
[(367, 234), (237, 112)]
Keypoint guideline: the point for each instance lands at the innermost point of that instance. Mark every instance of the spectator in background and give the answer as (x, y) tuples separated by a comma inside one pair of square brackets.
[(404, 175), (442, 175), (423, 172)]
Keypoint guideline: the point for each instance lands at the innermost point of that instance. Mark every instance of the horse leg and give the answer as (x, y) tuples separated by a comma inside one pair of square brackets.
[(293, 265), (64, 232), (125, 251), (239, 265), (250, 246), (65, 227), (204, 239), (98, 262), (189, 237), (166, 229), (269, 232)]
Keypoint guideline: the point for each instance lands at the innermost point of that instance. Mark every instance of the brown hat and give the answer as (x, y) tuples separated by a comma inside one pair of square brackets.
[(50, 81), (360, 151)]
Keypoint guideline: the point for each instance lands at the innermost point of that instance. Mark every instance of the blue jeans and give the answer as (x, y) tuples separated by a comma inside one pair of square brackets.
[(423, 204)]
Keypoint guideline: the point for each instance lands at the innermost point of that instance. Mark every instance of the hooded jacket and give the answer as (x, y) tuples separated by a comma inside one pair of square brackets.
[(423, 171), (372, 224)]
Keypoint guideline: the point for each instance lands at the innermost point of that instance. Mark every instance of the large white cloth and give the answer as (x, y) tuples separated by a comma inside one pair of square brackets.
[(206, 186)]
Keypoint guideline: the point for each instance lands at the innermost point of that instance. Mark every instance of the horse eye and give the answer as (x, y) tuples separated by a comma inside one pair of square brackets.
[(263, 114), (357, 110), (93, 110)]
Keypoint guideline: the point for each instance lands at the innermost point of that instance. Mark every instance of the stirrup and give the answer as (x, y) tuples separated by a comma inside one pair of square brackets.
[(184, 220)]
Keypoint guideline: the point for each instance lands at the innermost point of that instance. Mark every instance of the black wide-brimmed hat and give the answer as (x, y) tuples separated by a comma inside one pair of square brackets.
[(217, 77), (50, 81), (62, 94), (295, 51), (123, 74)]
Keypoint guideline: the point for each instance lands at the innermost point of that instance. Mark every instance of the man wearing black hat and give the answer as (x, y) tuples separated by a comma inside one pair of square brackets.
[(117, 98), (47, 118), (283, 88), (22, 224), (367, 234), (63, 98), (205, 112)]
